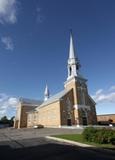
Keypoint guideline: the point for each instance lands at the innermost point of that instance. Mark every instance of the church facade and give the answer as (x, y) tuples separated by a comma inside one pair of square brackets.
[(71, 107)]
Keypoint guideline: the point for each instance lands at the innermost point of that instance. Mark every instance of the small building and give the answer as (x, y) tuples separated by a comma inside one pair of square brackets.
[(72, 106), (23, 107), (106, 119)]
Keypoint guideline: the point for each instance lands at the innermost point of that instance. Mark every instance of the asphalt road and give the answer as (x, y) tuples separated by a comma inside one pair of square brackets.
[(14, 145)]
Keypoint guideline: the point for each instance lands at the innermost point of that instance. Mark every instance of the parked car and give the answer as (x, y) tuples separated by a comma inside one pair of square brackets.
[(39, 126)]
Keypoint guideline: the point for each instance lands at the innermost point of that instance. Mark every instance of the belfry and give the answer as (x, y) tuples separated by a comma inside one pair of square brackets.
[(73, 106), (73, 62)]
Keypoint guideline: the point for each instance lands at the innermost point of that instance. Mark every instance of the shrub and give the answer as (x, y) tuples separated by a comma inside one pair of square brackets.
[(112, 140), (89, 134), (102, 136)]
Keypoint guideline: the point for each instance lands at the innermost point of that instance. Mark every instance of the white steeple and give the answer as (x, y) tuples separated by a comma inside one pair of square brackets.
[(73, 62), (46, 93), (71, 49)]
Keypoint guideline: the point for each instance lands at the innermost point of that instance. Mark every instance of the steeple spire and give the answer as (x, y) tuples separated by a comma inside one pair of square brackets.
[(73, 62), (71, 49), (46, 93)]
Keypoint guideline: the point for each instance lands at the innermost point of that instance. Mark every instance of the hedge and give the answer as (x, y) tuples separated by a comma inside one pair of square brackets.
[(102, 136)]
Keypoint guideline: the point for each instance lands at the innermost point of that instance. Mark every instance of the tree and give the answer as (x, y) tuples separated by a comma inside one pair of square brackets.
[(110, 121), (11, 121), (4, 120)]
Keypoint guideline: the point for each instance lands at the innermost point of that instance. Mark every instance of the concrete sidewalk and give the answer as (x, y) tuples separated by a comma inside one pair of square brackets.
[(69, 141), (80, 144)]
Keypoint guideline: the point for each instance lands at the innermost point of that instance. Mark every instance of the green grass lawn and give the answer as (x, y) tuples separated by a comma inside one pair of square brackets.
[(79, 138)]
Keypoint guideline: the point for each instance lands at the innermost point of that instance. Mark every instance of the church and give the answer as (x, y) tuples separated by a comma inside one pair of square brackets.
[(73, 106)]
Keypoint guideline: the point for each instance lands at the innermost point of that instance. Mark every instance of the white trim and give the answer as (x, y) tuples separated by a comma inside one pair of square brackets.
[(30, 105), (76, 106), (72, 79)]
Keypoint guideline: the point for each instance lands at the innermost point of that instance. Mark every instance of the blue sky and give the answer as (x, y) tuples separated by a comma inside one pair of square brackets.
[(34, 46)]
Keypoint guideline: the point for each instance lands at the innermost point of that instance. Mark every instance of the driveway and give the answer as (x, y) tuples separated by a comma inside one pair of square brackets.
[(29, 133), (30, 144)]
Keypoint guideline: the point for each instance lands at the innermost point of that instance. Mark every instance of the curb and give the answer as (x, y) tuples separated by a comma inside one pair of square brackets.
[(68, 141), (81, 144)]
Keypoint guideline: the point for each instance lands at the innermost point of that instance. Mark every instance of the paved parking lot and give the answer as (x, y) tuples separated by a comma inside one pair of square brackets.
[(17, 138), (28, 133), (31, 144)]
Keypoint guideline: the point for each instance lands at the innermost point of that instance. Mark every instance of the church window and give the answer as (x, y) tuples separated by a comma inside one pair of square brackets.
[(82, 96), (84, 118), (70, 71), (34, 117), (68, 104), (69, 107)]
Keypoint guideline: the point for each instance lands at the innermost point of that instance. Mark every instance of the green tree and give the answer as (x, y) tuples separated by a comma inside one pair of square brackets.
[(12, 121), (4, 120), (110, 121)]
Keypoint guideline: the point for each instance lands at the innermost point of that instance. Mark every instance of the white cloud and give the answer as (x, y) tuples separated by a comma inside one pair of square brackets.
[(8, 43), (102, 97), (99, 92), (8, 11), (7, 104), (12, 101), (2, 113)]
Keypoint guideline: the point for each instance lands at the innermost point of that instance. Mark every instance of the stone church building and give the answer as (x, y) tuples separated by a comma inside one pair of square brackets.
[(73, 106)]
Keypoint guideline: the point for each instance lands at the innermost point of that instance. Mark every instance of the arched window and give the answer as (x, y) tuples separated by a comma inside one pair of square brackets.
[(84, 117), (82, 95), (70, 71)]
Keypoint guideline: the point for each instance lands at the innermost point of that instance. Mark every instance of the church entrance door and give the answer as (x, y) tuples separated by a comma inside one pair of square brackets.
[(69, 122), (84, 120)]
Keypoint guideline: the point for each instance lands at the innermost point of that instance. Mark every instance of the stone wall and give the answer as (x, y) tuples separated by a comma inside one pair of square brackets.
[(21, 115), (67, 108), (32, 119), (49, 115)]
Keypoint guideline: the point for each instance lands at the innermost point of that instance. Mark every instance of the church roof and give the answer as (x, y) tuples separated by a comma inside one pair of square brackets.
[(30, 101), (91, 99), (54, 98), (32, 110)]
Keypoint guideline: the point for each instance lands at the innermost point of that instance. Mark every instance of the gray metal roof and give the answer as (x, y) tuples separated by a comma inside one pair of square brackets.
[(92, 100), (54, 98), (32, 110), (30, 101)]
